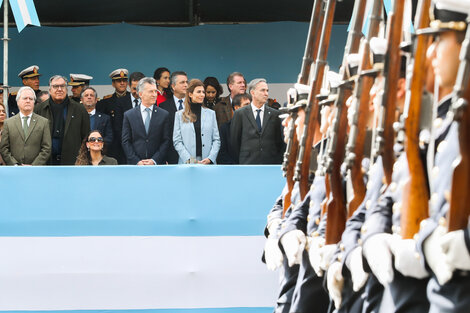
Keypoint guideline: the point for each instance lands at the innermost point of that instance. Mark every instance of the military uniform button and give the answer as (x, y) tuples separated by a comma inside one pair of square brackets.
[(443, 221), (442, 145), (317, 221), (363, 229), (341, 247), (368, 203), (396, 207), (393, 186), (447, 195), (283, 226), (308, 218), (437, 122), (340, 257), (423, 224), (359, 241), (315, 234)]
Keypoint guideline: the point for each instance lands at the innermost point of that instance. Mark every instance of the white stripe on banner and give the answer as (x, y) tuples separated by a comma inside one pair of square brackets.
[(122, 273), (24, 12)]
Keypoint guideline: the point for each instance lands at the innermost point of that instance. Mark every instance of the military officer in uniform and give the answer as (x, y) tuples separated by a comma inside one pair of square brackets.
[(30, 78), (109, 105), (78, 82)]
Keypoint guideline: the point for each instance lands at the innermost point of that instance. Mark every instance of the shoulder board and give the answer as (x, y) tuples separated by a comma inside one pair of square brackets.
[(14, 93), (108, 96)]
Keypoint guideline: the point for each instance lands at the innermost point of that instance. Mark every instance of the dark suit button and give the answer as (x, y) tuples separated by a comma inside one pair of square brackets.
[(203, 145), (147, 140), (202, 134)]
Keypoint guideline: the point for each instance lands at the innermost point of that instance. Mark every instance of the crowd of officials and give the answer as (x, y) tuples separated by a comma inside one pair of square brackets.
[(164, 119)]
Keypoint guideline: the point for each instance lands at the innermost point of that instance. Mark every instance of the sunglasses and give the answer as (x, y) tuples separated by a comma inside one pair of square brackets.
[(95, 139)]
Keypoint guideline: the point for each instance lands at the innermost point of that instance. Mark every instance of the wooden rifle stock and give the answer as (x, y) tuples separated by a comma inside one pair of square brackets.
[(460, 196), (357, 132), (336, 207), (311, 112), (385, 131), (415, 191), (311, 49)]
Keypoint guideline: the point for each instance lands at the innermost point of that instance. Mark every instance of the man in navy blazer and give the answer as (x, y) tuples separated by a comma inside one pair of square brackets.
[(146, 128), (98, 120)]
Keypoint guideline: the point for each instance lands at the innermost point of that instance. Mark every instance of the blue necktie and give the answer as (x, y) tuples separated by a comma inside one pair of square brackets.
[(136, 101), (147, 120), (258, 119), (181, 104)]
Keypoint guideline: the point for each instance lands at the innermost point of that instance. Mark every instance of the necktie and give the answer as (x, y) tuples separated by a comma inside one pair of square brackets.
[(25, 125), (147, 120), (258, 119), (181, 104), (136, 101)]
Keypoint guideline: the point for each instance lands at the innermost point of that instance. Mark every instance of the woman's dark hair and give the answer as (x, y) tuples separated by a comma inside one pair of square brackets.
[(84, 157), (158, 74), (188, 116), (212, 81)]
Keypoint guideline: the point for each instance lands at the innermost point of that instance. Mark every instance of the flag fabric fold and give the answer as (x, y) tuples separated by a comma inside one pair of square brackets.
[(25, 13)]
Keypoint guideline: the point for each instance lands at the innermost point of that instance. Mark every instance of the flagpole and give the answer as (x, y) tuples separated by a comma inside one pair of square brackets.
[(5, 56)]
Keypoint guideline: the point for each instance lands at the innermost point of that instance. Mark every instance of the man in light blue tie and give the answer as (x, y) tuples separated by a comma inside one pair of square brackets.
[(146, 128)]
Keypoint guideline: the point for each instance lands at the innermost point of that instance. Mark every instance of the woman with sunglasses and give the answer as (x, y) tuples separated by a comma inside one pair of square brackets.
[(92, 151)]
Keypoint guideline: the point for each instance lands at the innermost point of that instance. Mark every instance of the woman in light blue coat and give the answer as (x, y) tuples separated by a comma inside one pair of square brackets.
[(195, 135)]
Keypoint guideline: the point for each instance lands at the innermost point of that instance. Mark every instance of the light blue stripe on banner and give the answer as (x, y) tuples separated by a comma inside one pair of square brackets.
[(25, 13), (211, 310), (137, 201)]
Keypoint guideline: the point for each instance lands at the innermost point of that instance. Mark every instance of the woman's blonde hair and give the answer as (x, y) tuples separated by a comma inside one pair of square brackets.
[(188, 116)]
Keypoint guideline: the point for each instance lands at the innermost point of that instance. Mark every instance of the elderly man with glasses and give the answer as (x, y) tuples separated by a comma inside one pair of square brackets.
[(69, 122)]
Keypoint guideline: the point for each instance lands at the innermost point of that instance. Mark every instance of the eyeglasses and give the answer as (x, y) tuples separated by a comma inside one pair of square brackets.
[(59, 86), (95, 139)]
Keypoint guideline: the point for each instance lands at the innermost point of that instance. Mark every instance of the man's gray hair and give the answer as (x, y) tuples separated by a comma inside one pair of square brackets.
[(20, 91), (89, 88), (176, 74), (254, 82), (145, 80), (57, 77)]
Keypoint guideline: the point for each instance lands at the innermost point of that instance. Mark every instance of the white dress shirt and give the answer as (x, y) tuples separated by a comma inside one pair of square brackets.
[(92, 112), (144, 113), (255, 112), (133, 101), (28, 120), (177, 104)]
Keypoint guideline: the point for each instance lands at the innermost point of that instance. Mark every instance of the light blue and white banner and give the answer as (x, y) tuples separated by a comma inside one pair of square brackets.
[(24, 12), (134, 239)]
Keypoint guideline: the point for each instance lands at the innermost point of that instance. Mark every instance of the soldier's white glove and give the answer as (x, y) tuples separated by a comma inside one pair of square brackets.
[(455, 250), (354, 264), (435, 257), (273, 225), (272, 253), (377, 252), (406, 260), (293, 243), (326, 254), (335, 283), (315, 243)]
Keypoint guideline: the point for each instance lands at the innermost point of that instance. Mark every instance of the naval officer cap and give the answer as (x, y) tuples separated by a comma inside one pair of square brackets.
[(29, 72), (120, 73), (79, 79), (334, 80), (297, 97), (448, 15)]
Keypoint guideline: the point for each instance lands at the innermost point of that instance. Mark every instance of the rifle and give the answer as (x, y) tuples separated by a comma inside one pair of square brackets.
[(336, 206), (302, 166), (415, 191), (385, 132), (357, 132), (460, 197), (311, 49)]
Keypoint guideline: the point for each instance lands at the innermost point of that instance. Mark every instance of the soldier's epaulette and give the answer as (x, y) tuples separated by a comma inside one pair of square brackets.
[(108, 96), (14, 93)]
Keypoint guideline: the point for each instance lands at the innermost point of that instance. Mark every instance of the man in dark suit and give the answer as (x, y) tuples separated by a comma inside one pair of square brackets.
[(256, 132), (98, 120), (236, 84), (226, 154), (29, 77), (69, 122), (179, 84), (26, 139), (146, 131)]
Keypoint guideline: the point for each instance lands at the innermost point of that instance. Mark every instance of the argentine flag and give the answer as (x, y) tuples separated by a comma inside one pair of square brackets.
[(24, 12), (168, 239)]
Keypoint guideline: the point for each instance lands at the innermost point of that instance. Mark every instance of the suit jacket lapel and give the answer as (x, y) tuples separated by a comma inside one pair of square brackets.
[(19, 125), (68, 119), (249, 113), (153, 119), (203, 116), (32, 124), (266, 117), (141, 121)]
